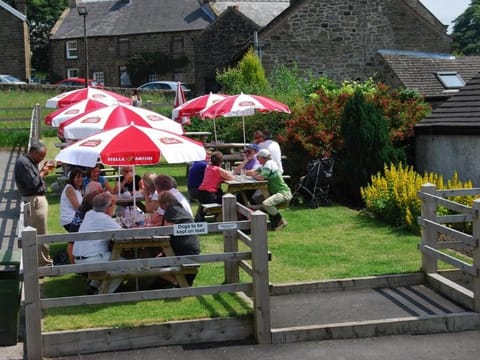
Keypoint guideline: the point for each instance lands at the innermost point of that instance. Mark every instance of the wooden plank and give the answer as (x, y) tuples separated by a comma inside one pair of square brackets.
[(455, 234), (136, 296), (449, 259)]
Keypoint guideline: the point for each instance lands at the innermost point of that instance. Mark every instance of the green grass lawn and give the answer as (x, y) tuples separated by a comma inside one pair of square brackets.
[(324, 243)]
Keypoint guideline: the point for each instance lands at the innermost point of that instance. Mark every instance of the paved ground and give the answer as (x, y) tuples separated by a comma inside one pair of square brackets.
[(287, 311)]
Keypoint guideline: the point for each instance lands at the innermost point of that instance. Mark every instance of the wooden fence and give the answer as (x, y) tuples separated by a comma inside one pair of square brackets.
[(253, 262), (440, 242)]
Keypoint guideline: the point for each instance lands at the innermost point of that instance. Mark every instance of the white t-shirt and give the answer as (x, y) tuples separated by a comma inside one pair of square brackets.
[(94, 221), (67, 212), (274, 148), (181, 199)]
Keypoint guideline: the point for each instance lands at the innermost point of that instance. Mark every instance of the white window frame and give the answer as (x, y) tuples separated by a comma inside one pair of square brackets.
[(73, 72), (99, 77), (450, 79), (71, 49)]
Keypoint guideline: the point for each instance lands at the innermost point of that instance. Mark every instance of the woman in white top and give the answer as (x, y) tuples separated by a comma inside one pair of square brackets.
[(70, 200), (71, 197)]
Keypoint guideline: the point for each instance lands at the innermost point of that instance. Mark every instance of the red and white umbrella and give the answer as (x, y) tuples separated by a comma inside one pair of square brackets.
[(180, 99), (195, 106), (243, 105), (71, 97), (55, 118), (132, 145), (114, 116)]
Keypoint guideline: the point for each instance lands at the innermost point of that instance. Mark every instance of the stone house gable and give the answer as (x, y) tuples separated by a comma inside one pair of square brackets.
[(14, 40), (218, 44), (339, 39)]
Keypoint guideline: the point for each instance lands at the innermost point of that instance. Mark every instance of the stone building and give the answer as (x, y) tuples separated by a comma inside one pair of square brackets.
[(118, 30), (14, 40), (340, 39)]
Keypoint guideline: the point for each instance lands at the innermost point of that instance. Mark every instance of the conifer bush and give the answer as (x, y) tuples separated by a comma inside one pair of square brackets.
[(391, 196)]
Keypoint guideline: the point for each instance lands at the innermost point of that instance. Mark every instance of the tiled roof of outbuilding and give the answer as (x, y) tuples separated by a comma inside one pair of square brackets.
[(416, 71), (459, 113)]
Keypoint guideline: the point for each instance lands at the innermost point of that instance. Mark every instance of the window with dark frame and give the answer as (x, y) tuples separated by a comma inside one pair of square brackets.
[(123, 47), (450, 79), (177, 45)]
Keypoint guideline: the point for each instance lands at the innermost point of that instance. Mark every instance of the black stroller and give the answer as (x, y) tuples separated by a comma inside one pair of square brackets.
[(314, 187)]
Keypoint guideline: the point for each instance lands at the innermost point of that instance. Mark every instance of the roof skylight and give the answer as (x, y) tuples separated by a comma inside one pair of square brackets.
[(450, 79)]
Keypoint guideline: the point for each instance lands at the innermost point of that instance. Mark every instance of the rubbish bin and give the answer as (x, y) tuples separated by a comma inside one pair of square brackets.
[(10, 291)]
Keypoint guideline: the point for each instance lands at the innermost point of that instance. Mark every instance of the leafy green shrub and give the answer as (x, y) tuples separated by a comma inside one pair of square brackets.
[(391, 196)]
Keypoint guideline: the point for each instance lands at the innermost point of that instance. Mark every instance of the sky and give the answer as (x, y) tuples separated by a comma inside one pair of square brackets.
[(446, 10)]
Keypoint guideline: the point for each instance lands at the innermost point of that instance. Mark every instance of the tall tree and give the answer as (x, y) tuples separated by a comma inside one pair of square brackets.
[(466, 30), (42, 16)]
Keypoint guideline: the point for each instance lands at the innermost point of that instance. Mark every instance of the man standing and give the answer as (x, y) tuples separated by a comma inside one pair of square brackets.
[(31, 184), (264, 140)]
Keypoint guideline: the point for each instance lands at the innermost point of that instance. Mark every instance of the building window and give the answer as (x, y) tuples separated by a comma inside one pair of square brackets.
[(99, 77), (123, 47), (72, 49), (450, 79), (177, 45), (73, 72)]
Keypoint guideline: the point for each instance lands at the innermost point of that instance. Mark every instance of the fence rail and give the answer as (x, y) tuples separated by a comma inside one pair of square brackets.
[(440, 242), (254, 262)]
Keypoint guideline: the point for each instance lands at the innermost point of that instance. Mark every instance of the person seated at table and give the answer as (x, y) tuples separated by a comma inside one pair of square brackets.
[(166, 183), (93, 188), (91, 251), (277, 187), (250, 161), (175, 213), (264, 140), (195, 175), (93, 174), (126, 183), (150, 194), (210, 190), (70, 200)]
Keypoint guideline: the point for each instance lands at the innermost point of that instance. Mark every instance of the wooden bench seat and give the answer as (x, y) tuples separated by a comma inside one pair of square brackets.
[(140, 243), (212, 211)]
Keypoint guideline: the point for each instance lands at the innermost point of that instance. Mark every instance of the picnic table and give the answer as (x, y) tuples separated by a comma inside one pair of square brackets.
[(243, 185)]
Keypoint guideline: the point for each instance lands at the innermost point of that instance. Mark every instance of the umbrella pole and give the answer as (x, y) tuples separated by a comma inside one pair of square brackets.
[(215, 130), (244, 137), (134, 198), (119, 179)]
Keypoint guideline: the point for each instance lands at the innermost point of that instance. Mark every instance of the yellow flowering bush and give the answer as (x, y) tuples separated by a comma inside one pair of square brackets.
[(392, 196)]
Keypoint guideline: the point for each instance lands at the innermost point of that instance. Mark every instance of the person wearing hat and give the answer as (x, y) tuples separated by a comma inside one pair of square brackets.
[(250, 161), (278, 189)]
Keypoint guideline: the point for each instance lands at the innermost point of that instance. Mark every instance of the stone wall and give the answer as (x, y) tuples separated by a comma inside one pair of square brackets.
[(340, 39), (103, 55), (14, 42), (219, 45)]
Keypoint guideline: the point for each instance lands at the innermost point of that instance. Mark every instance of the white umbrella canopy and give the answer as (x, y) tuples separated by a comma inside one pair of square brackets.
[(71, 97), (132, 145), (114, 116), (243, 105), (55, 118)]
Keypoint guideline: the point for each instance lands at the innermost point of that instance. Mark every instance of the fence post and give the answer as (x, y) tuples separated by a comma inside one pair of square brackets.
[(229, 213), (38, 121), (33, 314), (429, 263), (476, 255), (261, 286)]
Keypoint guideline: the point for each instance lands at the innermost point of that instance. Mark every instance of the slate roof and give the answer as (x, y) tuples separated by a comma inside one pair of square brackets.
[(459, 114), (417, 70), (259, 11), (129, 17), (123, 17)]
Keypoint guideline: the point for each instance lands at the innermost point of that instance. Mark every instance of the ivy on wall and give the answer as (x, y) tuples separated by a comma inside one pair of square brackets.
[(140, 66)]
